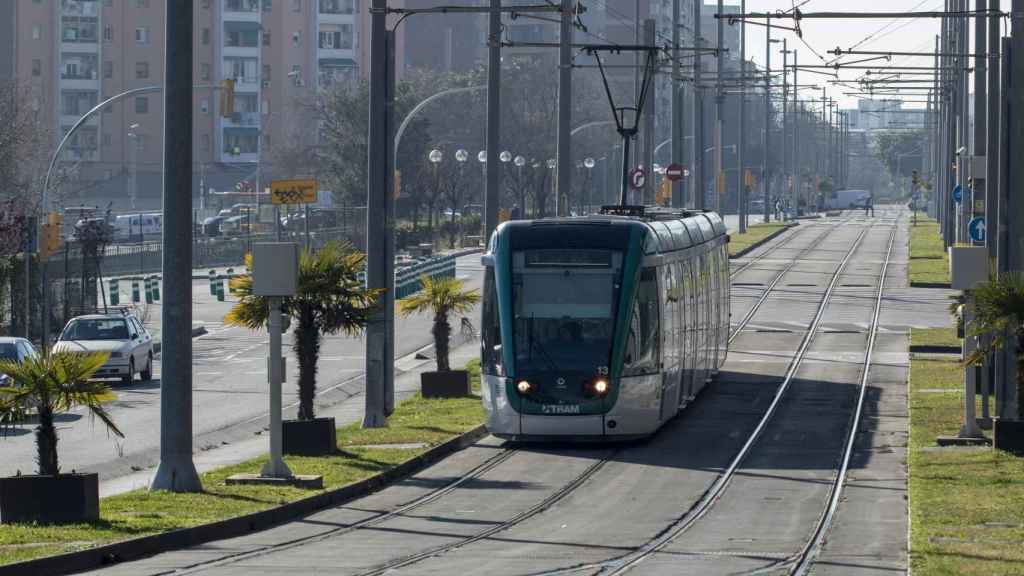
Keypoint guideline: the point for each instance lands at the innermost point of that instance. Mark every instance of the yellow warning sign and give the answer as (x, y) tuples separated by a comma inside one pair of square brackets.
[(293, 191)]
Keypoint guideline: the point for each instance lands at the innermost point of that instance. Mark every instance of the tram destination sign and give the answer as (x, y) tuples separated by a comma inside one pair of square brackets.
[(293, 191)]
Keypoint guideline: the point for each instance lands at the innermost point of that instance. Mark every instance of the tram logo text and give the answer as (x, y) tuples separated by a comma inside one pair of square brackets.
[(561, 409)]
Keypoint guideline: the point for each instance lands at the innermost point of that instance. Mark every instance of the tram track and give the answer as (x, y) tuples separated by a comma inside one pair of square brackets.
[(477, 471), (626, 562)]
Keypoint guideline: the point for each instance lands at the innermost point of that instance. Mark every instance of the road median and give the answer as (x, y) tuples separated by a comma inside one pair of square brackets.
[(966, 503), (142, 523), (929, 262), (756, 236)]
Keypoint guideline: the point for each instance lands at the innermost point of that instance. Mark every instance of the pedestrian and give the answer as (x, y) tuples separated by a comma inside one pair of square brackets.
[(869, 204), (778, 208), (516, 215)]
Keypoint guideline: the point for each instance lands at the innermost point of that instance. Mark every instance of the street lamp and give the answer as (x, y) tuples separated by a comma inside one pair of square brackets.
[(552, 163), (133, 159), (589, 164), (460, 156), (435, 158), (519, 161)]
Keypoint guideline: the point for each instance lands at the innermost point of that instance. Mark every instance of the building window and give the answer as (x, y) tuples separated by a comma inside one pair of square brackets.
[(296, 74), (268, 5), (206, 36), (336, 37), (142, 35), (236, 36), (108, 3), (204, 106), (204, 71), (142, 70), (142, 3), (37, 67), (36, 32), (204, 4), (296, 38), (106, 139), (266, 73), (266, 37), (108, 69), (108, 33), (141, 105), (266, 107), (296, 5), (204, 142)]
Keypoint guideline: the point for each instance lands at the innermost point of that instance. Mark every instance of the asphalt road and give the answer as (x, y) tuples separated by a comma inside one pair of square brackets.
[(229, 391), (684, 501)]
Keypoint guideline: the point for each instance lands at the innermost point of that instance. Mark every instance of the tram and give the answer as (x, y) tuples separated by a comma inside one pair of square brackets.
[(602, 327)]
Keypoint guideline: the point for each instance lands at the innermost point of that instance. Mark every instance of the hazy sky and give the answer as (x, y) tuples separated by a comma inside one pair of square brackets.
[(822, 35)]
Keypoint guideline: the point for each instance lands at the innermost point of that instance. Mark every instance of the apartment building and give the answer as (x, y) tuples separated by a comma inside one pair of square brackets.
[(76, 53)]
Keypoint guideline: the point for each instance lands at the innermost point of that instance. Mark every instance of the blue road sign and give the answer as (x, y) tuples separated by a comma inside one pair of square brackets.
[(958, 194), (976, 229)]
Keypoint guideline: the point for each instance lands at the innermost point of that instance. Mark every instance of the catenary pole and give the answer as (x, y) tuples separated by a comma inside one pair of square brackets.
[(981, 184), (786, 173), (1014, 219), (765, 185), (741, 143), (377, 362), (650, 114), (992, 194), (565, 163), (176, 471), (719, 186), (796, 138), (491, 193), (697, 149), (677, 106)]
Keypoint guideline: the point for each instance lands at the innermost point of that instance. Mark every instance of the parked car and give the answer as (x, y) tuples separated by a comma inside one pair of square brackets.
[(211, 226), (97, 227), (16, 349), (121, 334)]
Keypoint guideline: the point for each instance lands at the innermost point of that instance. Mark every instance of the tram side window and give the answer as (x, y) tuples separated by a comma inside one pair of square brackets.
[(642, 346), (490, 332)]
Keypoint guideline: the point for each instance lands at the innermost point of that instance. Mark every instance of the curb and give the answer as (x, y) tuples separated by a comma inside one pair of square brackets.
[(931, 285), (136, 548), (197, 331), (763, 241)]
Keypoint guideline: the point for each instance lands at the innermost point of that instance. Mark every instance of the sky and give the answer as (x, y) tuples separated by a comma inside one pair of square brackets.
[(823, 35)]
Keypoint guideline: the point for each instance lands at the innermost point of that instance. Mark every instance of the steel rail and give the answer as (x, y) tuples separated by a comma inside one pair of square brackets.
[(806, 556), (485, 466), (534, 510), (626, 562)]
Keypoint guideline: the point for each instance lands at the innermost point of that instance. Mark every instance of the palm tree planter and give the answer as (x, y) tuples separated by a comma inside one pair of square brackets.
[(330, 299), (442, 297), (998, 310), (52, 383)]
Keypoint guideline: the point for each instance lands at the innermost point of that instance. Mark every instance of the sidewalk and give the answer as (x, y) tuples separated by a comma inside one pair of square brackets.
[(246, 440)]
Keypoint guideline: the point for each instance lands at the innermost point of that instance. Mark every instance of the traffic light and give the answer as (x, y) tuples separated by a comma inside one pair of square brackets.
[(914, 179), (50, 235), (227, 97)]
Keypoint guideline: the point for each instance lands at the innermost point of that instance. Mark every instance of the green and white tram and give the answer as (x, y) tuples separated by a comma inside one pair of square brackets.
[(602, 327)]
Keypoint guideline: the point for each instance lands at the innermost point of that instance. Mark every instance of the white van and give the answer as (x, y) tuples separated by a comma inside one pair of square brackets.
[(134, 226), (847, 199)]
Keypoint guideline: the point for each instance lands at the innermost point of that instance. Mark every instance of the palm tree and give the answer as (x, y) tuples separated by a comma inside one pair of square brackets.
[(442, 296), (998, 310), (54, 382), (330, 299)]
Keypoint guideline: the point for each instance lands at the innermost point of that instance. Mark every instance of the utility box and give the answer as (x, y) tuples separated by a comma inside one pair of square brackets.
[(275, 268), (968, 266)]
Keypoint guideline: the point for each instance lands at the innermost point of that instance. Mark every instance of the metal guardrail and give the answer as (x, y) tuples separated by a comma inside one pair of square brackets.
[(408, 280)]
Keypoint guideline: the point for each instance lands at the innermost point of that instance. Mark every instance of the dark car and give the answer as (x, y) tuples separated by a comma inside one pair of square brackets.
[(211, 226)]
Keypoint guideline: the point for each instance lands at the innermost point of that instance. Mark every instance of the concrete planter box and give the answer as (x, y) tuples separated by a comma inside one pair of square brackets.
[(450, 384), (1008, 435), (309, 437), (50, 499)]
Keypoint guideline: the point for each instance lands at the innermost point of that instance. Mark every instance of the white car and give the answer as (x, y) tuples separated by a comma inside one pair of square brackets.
[(17, 350), (122, 335)]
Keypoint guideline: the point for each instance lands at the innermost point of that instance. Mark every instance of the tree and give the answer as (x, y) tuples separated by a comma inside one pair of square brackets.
[(998, 310), (330, 299), (442, 297), (901, 152), (52, 383)]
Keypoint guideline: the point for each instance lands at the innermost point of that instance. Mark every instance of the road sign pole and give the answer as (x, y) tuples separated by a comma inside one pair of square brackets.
[(176, 472), (697, 149)]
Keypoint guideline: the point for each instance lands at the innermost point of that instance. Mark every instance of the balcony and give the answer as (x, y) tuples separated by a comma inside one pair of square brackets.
[(335, 7), (243, 120), (242, 10)]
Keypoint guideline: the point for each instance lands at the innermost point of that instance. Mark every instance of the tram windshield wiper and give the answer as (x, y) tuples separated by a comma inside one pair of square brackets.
[(536, 343)]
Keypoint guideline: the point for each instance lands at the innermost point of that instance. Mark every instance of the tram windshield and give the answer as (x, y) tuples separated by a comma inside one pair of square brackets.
[(564, 304)]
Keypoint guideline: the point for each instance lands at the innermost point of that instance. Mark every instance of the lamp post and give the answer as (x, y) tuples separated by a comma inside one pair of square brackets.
[(435, 158), (133, 160), (460, 156), (589, 164), (481, 157), (552, 164), (519, 161)]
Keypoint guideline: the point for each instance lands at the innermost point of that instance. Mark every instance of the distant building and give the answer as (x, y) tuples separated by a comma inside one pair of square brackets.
[(884, 115)]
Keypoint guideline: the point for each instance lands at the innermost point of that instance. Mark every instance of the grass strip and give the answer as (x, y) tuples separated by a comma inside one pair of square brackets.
[(929, 261), (945, 337), (140, 513), (754, 234), (966, 505)]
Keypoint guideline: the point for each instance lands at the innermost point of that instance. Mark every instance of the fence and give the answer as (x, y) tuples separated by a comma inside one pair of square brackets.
[(408, 281)]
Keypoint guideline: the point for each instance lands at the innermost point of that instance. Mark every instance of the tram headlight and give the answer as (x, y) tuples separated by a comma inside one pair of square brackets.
[(598, 387), (524, 387)]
